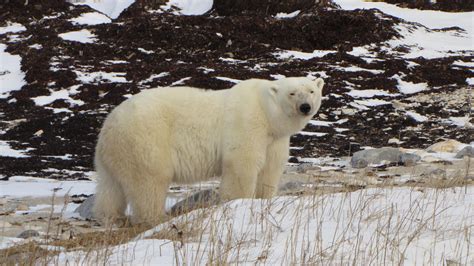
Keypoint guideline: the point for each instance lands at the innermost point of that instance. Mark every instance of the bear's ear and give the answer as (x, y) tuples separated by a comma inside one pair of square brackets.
[(319, 83)]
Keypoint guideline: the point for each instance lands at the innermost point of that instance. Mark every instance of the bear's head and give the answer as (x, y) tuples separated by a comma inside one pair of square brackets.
[(297, 99), (298, 96)]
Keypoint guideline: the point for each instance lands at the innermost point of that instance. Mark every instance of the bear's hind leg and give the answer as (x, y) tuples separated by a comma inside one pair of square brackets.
[(148, 203), (110, 202)]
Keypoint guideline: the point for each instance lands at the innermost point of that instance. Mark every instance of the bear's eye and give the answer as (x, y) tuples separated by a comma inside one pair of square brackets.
[(292, 94), (312, 91)]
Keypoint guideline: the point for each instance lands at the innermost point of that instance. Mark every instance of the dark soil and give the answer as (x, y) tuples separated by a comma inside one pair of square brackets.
[(184, 47)]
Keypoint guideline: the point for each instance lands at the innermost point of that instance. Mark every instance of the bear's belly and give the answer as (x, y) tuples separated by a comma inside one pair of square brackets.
[(196, 162)]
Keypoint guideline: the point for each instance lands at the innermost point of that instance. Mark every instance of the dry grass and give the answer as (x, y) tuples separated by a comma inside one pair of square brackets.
[(216, 235)]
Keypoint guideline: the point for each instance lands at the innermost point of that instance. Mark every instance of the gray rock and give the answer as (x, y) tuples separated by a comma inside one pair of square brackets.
[(85, 209), (291, 186), (200, 199), (466, 151), (363, 158), (409, 158), (28, 233)]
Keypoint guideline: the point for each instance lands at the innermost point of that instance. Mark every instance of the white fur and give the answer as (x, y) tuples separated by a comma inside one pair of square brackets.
[(184, 134)]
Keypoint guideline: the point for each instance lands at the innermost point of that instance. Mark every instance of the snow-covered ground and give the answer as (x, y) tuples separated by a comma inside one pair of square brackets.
[(381, 226)]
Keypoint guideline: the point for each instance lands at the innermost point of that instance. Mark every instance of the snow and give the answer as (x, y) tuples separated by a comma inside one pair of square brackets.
[(470, 81), (431, 44), (287, 15), (464, 64), (368, 93), (36, 46), (82, 36), (21, 186), (462, 121), (229, 79), (358, 69), (12, 28), (372, 102), (153, 77), (232, 60), (327, 123), (422, 39), (429, 18), (100, 76), (6, 242), (11, 76), (401, 225), (180, 82), (288, 54), (91, 18), (111, 8), (407, 87), (308, 133), (145, 51), (7, 151), (190, 7), (56, 95), (417, 116)]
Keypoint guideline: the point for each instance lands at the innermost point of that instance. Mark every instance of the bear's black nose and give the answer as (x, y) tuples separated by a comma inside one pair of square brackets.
[(305, 108)]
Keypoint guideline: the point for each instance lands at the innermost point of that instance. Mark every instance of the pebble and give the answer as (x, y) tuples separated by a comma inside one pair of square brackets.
[(28, 233), (85, 209), (466, 151)]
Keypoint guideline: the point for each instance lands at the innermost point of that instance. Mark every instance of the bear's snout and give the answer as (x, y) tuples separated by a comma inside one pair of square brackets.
[(305, 108)]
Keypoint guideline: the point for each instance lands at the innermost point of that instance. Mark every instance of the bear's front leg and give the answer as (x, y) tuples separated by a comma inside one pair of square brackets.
[(275, 161), (240, 169)]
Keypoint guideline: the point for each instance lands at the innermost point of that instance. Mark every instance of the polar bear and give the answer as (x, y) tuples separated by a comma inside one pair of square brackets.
[(184, 134)]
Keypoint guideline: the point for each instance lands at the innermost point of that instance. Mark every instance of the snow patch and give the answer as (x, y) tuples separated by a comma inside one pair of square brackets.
[(372, 102), (288, 54), (229, 79), (11, 76), (111, 8), (464, 64), (153, 77), (19, 187), (12, 28), (91, 18), (82, 36), (100, 76), (7, 151), (368, 93), (189, 7), (56, 95), (287, 15), (409, 87), (417, 117)]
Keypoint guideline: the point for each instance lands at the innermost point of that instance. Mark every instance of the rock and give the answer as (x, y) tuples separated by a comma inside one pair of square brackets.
[(291, 186), (450, 145), (200, 199), (466, 151), (363, 158), (85, 209), (409, 158), (28, 233)]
